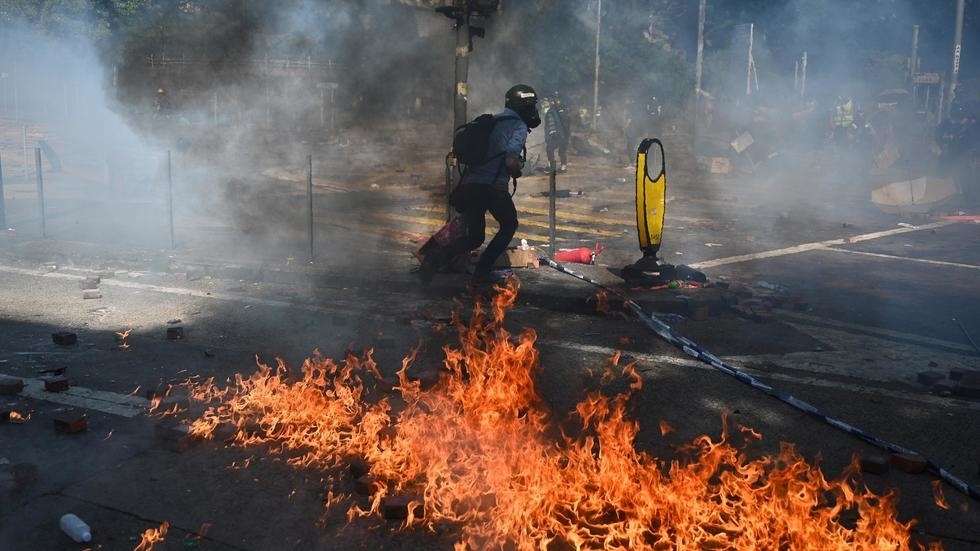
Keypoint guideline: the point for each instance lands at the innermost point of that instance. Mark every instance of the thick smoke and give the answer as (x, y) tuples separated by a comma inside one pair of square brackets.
[(241, 93)]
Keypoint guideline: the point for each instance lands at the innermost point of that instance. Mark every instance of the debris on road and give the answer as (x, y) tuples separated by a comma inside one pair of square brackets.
[(89, 283), (64, 338), (71, 423), (10, 385), (909, 462), (175, 333), (874, 464), (57, 383)]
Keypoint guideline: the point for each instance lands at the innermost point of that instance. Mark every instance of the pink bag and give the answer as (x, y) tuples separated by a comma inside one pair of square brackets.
[(454, 230)]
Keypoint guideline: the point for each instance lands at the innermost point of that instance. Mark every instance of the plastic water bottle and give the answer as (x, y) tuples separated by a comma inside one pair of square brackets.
[(76, 528)]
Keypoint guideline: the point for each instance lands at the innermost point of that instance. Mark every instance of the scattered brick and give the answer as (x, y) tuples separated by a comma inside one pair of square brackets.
[(10, 385), (175, 333), (358, 467), (397, 507), (874, 464), (174, 436), (956, 374), (89, 294), (968, 385), (929, 378), (64, 338), (698, 310), (909, 462), (56, 384), (71, 423), (944, 388), (367, 485), (89, 283)]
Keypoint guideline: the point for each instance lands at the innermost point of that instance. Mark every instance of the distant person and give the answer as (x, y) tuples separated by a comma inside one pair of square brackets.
[(484, 188), (654, 117), (557, 132), (162, 105), (842, 120)]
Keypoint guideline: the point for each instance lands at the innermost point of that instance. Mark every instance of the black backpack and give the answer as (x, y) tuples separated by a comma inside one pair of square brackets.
[(471, 141)]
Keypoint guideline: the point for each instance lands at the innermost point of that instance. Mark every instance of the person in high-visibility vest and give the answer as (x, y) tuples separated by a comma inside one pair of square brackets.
[(842, 119)]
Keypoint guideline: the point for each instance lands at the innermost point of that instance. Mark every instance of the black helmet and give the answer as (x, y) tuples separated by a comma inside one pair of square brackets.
[(520, 95)]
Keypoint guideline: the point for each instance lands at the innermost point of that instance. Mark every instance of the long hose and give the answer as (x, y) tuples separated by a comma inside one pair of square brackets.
[(695, 351)]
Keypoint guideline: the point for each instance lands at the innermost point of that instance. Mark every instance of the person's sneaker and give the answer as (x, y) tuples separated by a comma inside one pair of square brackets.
[(563, 168)]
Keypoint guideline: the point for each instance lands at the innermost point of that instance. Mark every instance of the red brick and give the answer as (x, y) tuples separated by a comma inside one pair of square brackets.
[(909, 462), (56, 384), (358, 467), (71, 423), (969, 385), (10, 385), (64, 338), (367, 485), (929, 378), (89, 283), (397, 507), (175, 436), (874, 464)]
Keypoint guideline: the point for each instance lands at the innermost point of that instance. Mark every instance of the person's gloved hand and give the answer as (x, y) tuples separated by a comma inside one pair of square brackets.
[(514, 166)]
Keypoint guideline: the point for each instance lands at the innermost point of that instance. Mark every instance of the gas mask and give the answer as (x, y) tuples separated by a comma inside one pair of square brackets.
[(529, 114)]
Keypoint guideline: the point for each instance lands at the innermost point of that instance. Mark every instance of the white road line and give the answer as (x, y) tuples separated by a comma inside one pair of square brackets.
[(804, 247), (875, 331), (351, 308), (765, 376), (124, 405), (920, 260)]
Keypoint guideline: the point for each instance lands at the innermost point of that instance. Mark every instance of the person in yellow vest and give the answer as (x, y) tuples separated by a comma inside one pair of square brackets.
[(842, 120)]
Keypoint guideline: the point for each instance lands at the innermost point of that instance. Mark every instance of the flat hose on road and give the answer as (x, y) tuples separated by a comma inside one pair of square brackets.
[(695, 351)]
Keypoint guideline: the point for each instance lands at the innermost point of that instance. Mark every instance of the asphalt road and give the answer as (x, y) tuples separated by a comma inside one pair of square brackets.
[(873, 308)]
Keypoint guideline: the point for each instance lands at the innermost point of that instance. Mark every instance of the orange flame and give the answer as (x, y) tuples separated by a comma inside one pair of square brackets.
[(152, 536), (16, 417), (938, 495), (481, 450)]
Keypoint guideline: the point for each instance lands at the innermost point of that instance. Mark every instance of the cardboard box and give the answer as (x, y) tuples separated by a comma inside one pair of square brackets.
[(516, 257)]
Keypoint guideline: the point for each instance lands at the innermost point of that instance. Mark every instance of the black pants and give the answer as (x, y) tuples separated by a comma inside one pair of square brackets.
[(562, 147), (475, 201)]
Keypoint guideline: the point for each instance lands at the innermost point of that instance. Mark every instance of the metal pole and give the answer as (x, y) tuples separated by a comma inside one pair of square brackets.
[(912, 64), (461, 90), (957, 48), (170, 199), (40, 191), (27, 160), (309, 192), (748, 66), (699, 63), (3, 207), (595, 84), (803, 78), (552, 192)]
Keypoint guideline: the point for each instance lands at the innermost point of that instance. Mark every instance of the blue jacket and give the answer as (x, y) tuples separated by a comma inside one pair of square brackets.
[(509, 137)]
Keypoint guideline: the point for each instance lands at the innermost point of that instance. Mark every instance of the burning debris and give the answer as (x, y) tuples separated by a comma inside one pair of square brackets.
[(482, 450)]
